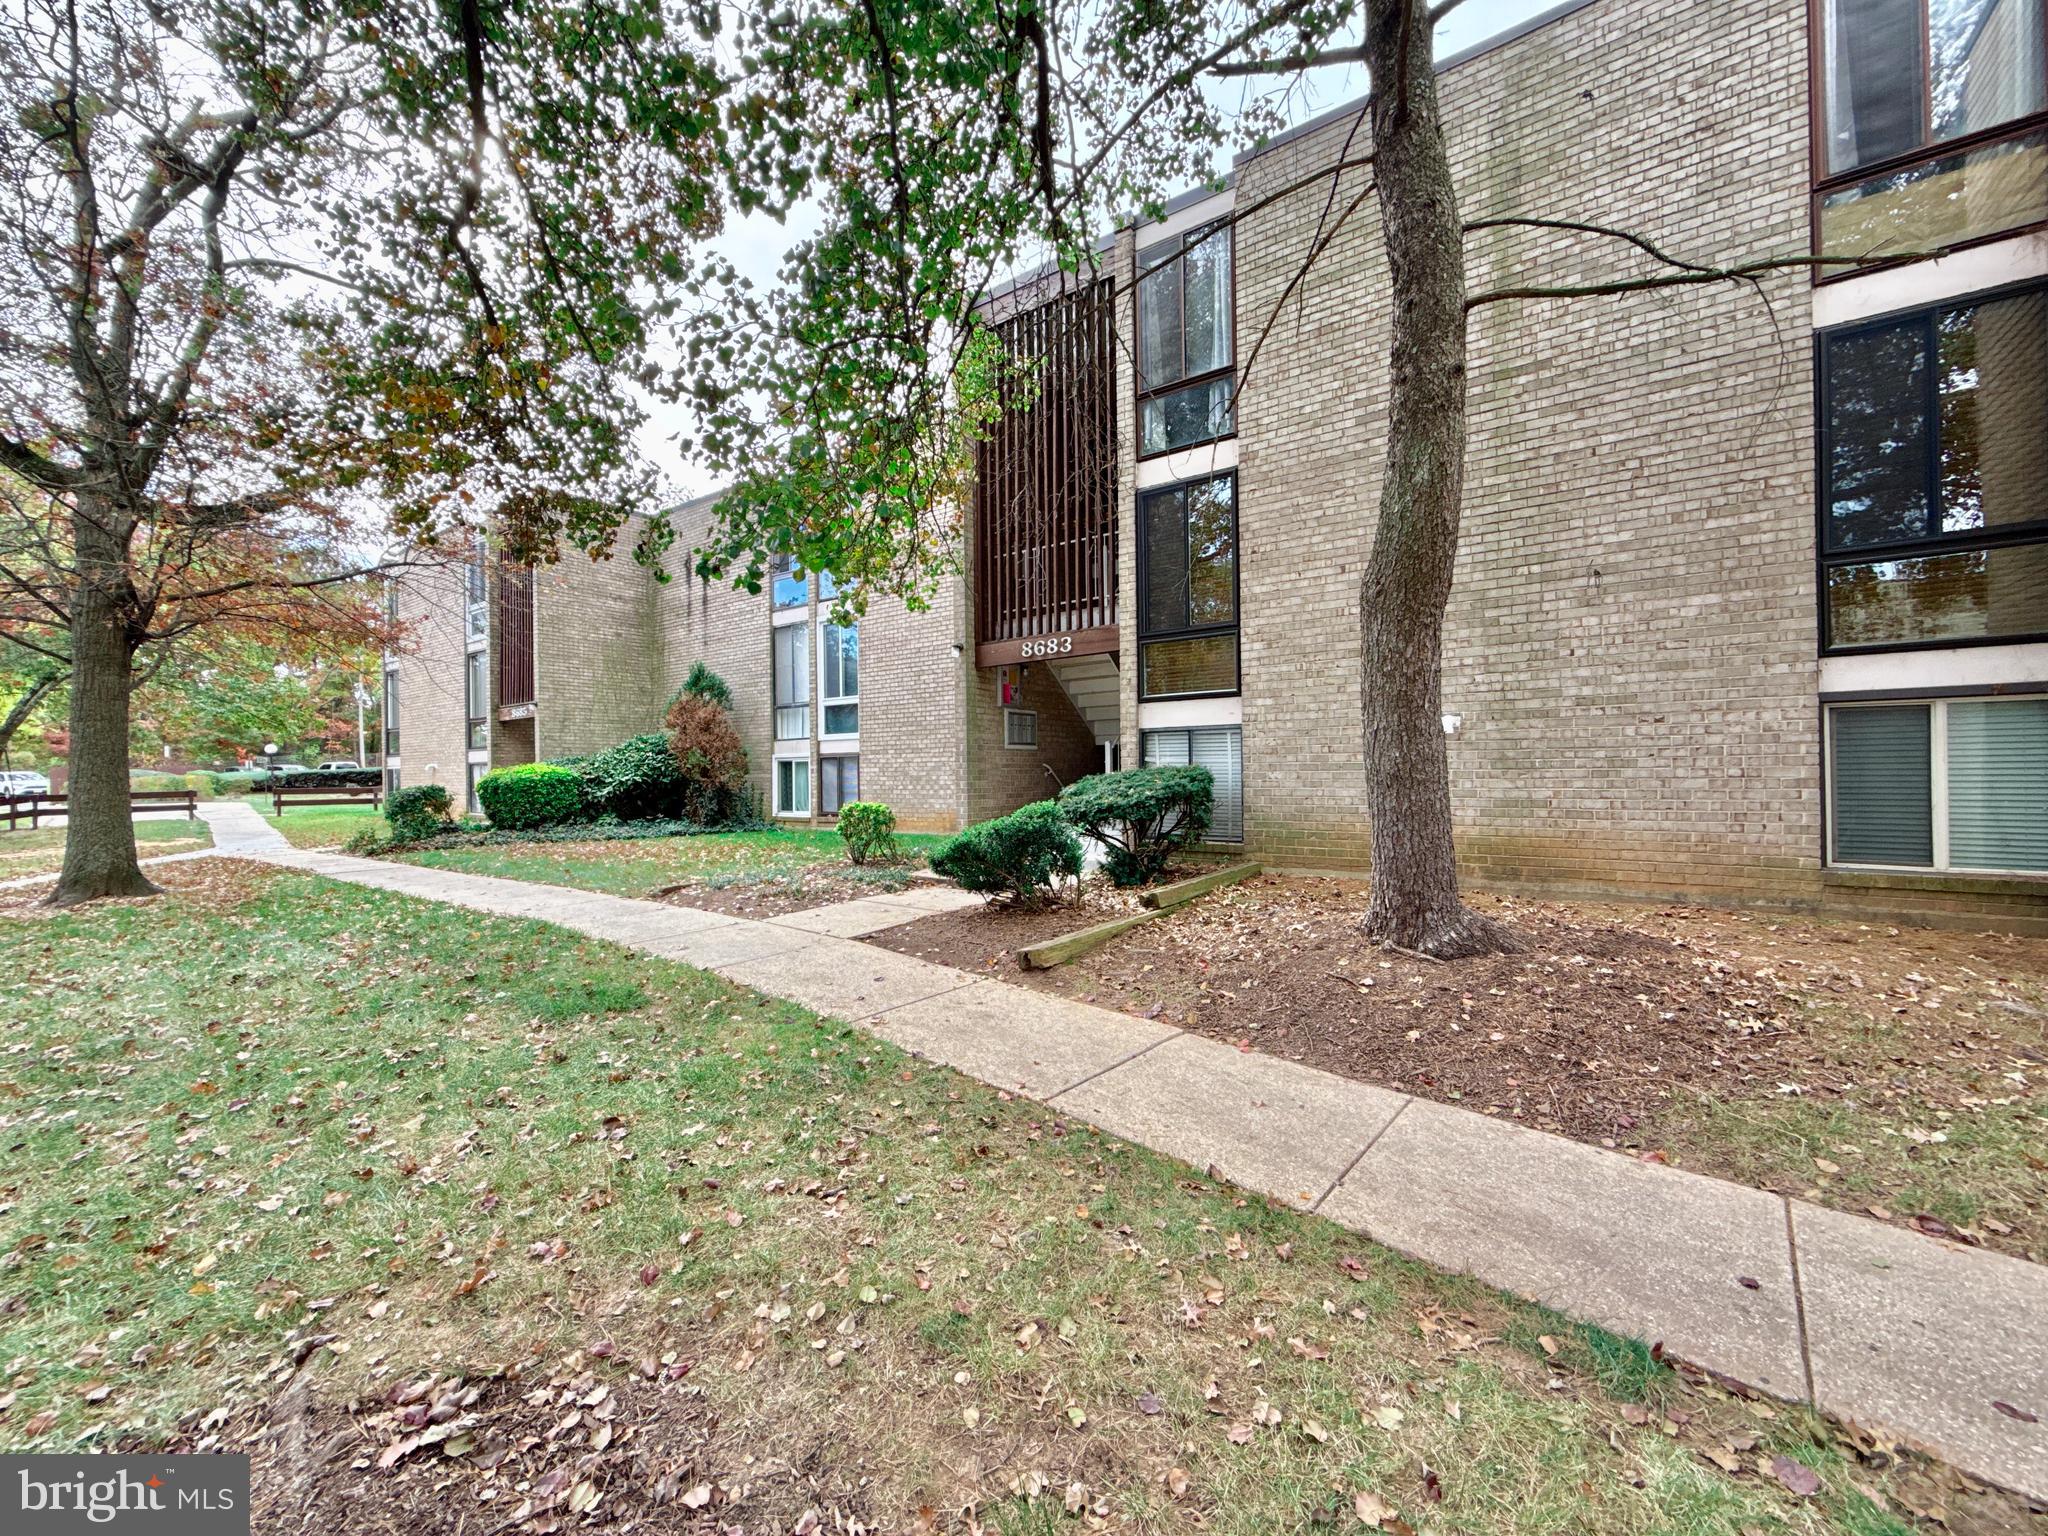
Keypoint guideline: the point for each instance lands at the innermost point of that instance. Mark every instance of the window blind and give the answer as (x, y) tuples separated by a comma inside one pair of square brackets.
[(1998, 784), (1883, 807), (1218, 748)]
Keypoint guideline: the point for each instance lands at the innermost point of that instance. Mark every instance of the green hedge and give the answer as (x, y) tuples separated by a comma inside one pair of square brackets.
[(1016, 857), (1141, 817), (417, 812), (637, 780), (531, 795), (313, 778)]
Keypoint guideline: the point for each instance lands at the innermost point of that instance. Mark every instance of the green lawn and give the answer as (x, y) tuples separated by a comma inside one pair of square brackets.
[(273, 1110), (632, 868), (42, 851), (321, 826)]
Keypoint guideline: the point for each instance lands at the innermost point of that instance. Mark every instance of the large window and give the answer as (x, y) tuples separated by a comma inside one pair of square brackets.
[(792, 786), (1941, 784), (838, 783), (1934, 504), (1218, 748), (792, 682), (1187, 575), (1185, 341), (839, 679), (476, 589), (478, 691), (1929, 111), (391, 712)]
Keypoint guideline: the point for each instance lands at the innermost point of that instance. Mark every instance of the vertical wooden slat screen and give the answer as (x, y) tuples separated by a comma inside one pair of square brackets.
[(513, 625), (1045, 485)]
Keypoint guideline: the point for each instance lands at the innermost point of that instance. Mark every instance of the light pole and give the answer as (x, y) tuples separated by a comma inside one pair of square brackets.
[(362, 701)]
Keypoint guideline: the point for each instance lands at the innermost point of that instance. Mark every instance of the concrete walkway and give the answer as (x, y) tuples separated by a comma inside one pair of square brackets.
[(1943, 1345)]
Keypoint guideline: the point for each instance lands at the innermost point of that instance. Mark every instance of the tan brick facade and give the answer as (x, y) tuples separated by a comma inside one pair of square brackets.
[(1631, 648)]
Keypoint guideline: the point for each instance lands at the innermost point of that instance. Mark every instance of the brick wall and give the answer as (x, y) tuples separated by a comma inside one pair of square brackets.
[(598, 664), (433, 721), (1630, 640)]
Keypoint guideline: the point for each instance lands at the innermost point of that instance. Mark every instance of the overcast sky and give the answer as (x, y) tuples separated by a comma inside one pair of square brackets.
[(756, 245)]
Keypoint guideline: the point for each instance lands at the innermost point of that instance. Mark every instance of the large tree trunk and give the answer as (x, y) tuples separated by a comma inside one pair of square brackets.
[(99, 841), (1414, 900)]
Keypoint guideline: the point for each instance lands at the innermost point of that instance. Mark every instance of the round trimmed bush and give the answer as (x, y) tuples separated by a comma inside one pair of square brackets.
[(637, 780), (1142, 817), (1016, 857), (529, 795)]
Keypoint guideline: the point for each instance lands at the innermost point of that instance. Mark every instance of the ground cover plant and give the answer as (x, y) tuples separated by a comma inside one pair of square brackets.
[(37, 851), (1896, 1073), (461, 1223)]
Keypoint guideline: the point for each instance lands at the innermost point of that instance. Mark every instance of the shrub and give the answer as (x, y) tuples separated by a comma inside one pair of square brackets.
[(709, 754), (1015, 856), (703, 683), (200, 784), (313, 778), (1141, 817), (869, 830), (416, 812), (233, 783), (531, 795), (636, 780)]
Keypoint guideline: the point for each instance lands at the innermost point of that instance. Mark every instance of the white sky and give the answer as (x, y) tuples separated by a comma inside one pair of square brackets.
[(756, 245)]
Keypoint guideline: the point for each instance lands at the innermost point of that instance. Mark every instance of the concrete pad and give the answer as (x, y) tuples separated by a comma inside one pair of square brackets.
[(842, 978), (1910, 1334), (1014, 1038), (850, 919), (1283, 1130), (1643, 1250)]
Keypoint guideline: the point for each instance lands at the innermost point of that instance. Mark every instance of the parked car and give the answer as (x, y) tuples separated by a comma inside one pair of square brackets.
[(339, 765), (287, 768), (21, 781)]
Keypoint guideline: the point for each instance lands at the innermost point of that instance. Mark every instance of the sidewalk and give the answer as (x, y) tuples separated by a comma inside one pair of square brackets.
[(236, 829), (1943, 1345)]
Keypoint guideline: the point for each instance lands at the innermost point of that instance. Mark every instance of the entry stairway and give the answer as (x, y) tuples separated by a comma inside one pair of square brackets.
[(1090, 684)]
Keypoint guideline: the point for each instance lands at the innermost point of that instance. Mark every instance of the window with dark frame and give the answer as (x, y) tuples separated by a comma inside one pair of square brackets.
[(1934, 476), (792, 786), (391, 712), (1933, 122), (477, 589), (478, 691), (1187, 597), (1186, 341), (838, 782)]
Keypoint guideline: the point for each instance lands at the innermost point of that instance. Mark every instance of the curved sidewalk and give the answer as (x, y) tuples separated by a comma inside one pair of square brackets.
[(1944, 1345)]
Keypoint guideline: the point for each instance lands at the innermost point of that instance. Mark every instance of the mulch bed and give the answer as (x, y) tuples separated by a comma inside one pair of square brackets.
[(987, 938), (1610, 1017), (777, 895)]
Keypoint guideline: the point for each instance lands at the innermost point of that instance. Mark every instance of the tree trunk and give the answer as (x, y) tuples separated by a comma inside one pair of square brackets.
[(99, 841), (1407, 582), (25, 706)]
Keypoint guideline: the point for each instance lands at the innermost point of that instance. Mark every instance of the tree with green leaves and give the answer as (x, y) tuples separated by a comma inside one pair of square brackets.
[(940, 144), (291, 291)]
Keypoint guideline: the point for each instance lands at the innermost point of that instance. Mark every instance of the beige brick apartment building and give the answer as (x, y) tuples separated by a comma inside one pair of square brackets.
[(1753, 597)]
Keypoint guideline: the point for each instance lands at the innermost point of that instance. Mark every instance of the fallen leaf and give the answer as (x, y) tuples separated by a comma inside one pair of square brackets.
[(1796, 1475), (2015, 1413), (1372, 1510)]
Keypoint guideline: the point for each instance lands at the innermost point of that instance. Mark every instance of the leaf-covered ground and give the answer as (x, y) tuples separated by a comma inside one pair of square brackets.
[(466, 1224), (1899, 1073), (25, 852)]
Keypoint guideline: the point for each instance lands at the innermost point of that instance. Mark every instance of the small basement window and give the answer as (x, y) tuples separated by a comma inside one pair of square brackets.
[(792, 786), (1020, 727), (1940, 784)]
